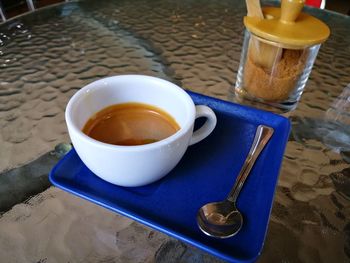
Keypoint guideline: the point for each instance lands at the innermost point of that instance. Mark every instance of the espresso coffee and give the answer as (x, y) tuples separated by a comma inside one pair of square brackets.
[(130, 124)]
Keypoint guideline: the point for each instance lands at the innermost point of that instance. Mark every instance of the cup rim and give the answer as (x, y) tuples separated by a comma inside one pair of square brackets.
[(94, 85)]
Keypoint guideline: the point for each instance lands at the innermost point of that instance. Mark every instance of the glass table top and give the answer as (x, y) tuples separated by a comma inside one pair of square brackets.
[(46, 56)]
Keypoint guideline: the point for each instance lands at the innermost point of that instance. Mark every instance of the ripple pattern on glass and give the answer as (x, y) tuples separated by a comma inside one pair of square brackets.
[(42, 65), (48, 55), (57, 227)]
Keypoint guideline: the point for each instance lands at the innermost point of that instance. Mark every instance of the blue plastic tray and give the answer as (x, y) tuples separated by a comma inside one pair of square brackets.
[(205, 174)]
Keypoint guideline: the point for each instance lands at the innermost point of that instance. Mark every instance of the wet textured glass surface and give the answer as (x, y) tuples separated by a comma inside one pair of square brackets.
[(48, 55)]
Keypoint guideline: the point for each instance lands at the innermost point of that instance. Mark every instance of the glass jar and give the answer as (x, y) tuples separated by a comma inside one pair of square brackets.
[(272, 74), (279, 49)]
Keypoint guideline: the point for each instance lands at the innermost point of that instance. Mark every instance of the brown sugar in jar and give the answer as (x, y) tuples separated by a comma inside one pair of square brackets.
[(277, 83)]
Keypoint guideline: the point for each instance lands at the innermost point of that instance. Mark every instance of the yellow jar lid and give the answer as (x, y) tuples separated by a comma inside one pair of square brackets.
[(288, 26)]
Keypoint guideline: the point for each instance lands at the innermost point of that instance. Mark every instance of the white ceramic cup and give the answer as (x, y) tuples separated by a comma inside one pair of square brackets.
[(141, 164)]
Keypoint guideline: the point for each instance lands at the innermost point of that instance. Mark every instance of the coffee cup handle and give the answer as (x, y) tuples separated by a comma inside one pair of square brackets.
[(207, 127)]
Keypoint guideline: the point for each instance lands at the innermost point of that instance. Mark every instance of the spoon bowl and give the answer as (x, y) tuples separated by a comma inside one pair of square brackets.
[(220, 219)]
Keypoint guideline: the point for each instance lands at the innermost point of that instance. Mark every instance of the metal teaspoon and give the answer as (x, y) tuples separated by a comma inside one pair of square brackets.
[(222, 219)]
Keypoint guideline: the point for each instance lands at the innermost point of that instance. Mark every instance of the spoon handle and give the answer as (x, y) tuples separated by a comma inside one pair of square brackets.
[(262, 136)]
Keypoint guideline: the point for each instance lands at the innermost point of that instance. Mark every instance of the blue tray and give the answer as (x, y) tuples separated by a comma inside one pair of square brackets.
[(205, 174)]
